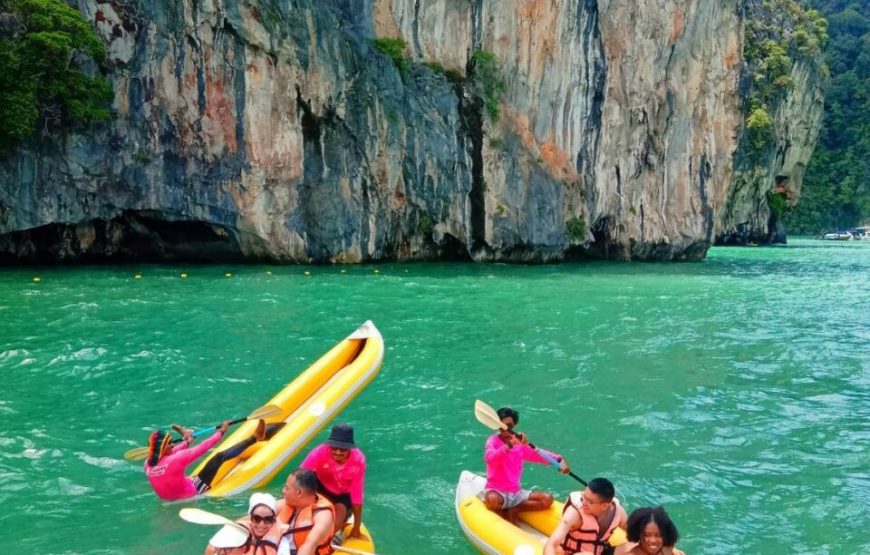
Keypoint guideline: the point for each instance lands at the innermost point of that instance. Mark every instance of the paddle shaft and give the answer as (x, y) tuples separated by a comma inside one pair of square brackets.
[(552, 461), (204, 431)]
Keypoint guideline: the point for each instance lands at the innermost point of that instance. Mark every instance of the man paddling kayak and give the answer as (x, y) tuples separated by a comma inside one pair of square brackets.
[(505, 454)]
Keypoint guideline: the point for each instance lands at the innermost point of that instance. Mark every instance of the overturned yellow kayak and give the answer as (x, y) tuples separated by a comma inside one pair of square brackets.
[(307, 404), (492, 534)]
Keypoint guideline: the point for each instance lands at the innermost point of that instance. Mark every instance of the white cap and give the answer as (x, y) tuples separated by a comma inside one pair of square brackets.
[(230, 535), (261, 499)]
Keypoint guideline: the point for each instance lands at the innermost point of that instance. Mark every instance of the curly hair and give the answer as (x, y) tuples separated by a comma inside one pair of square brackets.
[(639, 518)]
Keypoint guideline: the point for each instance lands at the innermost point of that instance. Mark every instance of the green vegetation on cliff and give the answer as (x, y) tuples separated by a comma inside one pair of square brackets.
[(836, 188), (395, 49), (777, 31), (44, 48), (488, 82)]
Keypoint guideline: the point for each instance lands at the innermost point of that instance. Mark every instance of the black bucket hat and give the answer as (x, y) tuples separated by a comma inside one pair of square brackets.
[(341, 436)]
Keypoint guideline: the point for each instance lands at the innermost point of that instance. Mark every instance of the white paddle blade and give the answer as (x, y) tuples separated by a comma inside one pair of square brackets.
[(229, 536), (198, 516), (487, 416), (266, 411)]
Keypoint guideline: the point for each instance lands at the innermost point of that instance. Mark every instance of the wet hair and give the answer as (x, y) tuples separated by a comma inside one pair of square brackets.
[(156, 445), (306, 480), (505, 412), (639, 518), (603, 488)]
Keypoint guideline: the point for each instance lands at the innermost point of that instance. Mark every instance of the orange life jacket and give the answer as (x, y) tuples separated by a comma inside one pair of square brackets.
[(267, 545), (589, 537), (301, 521)]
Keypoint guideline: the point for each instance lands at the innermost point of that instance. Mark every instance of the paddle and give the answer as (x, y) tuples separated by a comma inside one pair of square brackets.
[(140, 453), (199, 516), (487, 416), (232, 534)]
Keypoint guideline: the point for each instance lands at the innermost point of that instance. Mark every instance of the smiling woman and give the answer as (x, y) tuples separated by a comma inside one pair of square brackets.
[(650, 531)]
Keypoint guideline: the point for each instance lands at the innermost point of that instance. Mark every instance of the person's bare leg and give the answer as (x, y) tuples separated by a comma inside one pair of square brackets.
[(340, 516), (537, 501), (494, 501)]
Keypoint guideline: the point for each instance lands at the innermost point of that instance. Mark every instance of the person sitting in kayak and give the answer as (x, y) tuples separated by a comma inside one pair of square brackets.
[(262, 524), (505, 453), (340, 468), (166, 463), (309, 516), (650, 531), (588, 521)]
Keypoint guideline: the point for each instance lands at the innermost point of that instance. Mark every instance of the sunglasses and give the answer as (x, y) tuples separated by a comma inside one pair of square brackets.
[(257, 519)]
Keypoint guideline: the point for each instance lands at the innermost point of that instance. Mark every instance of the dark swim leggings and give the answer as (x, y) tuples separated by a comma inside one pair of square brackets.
[(212, 466)]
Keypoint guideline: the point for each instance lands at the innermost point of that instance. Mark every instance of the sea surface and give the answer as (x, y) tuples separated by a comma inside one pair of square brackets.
[(734, 391)]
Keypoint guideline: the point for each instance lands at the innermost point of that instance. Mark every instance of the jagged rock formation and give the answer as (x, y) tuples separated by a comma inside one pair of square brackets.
[(760, 175), (275, 130)]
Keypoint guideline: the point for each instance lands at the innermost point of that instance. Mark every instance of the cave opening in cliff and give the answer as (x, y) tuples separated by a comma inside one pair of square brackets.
[(131, 237)]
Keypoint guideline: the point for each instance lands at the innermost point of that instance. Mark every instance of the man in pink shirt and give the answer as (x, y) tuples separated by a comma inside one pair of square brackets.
[(341, 472), (505, 454)]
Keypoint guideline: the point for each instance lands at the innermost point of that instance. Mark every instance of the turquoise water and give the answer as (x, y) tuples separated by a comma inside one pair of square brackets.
[(735, 391)]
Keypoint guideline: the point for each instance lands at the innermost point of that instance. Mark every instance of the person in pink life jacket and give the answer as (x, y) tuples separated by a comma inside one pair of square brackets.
[(505, 454), (340, 467), (166, 464), (589, 519)]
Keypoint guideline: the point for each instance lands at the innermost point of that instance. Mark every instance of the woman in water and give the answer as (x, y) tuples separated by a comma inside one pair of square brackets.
[(650, 531)]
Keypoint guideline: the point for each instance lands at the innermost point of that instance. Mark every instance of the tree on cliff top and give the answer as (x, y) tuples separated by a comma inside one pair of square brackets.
[(44, 46), (836, 189)]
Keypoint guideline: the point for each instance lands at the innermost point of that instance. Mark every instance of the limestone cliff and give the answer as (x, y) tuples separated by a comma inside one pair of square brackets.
[(276, 130), (768, 175)]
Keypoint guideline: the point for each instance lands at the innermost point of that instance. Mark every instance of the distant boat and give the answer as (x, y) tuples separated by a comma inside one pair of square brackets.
[(838, 236)]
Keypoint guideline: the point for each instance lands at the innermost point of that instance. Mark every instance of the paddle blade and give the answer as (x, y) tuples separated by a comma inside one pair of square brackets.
[(487, 416), (136, 454), (198, 516), (266, 411)]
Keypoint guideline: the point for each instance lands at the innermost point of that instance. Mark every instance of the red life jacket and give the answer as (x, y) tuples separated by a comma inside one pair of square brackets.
[(589, 537), (301, 521)]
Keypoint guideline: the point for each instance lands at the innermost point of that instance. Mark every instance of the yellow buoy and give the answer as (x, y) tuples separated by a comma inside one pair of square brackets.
[(137, 276), (343, 271), (37, 279), (377, 271), (268, 272), (183, 275), (228, 274), (307, 273)]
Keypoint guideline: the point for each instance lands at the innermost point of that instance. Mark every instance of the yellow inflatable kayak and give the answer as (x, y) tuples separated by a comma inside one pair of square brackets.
[(492, 534), (352, 545), (307, 404)]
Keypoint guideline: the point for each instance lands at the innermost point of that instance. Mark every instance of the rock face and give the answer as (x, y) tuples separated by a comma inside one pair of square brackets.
[(275, 130), (748, 217)]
